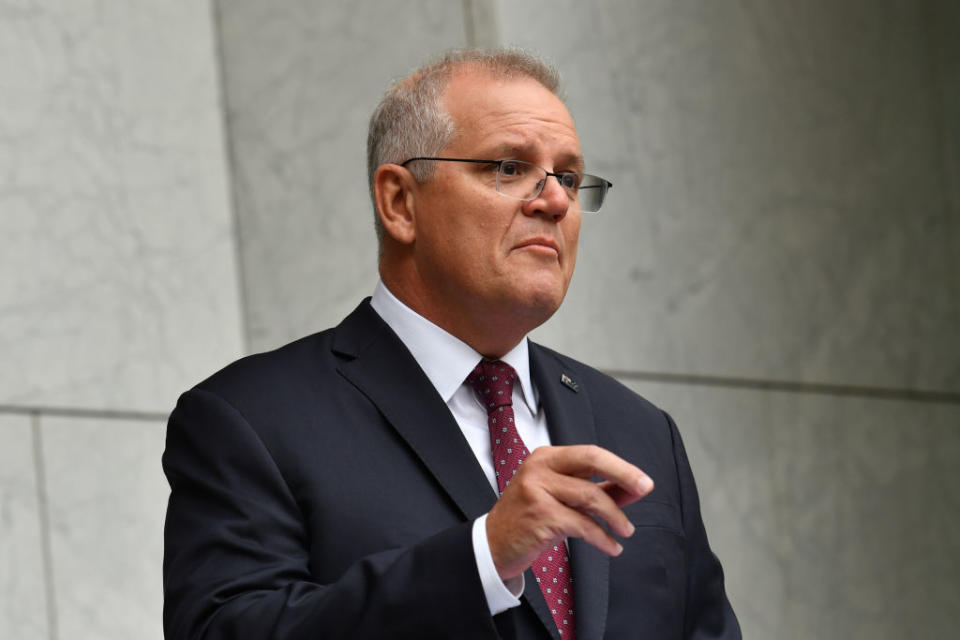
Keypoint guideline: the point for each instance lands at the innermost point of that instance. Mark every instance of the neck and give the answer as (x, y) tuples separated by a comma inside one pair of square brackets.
[(492, 340)]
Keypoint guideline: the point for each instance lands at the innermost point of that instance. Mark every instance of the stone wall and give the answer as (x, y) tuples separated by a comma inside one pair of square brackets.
[(777, 266)]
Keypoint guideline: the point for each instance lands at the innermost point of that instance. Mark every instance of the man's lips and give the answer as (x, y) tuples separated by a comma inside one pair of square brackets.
[(542, 244)]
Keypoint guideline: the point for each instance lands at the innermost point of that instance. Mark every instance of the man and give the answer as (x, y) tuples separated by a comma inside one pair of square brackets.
[(346, 485)]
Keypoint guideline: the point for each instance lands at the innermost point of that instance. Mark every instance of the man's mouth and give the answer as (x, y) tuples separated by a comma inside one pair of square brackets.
[(540, 244)]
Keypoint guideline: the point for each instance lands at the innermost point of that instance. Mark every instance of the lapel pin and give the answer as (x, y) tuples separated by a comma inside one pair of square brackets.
[(568, 382)]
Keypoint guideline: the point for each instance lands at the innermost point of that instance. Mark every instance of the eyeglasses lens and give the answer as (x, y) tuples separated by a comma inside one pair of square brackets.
[(592, 192), (524, 180)]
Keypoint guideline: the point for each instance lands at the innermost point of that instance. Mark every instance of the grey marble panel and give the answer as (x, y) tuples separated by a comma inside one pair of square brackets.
[(301, 79), (23, 598), (119, 282), (835, 517), (785, 202), (107, 498)]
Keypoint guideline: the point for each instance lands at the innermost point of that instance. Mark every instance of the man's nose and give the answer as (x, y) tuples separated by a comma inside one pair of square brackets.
[(552, 202)]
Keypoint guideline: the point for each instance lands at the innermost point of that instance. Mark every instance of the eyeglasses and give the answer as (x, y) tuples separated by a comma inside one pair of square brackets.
[(525, 181)]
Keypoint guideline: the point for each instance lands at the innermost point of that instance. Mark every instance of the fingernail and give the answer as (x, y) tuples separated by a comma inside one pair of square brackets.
[(631, 529), (645, 484), (619, 549)]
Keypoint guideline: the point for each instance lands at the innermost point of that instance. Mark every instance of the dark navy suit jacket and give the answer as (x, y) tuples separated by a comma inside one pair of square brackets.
[(324, 490)]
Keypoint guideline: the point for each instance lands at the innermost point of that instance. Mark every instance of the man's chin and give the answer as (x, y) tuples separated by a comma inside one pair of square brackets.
[(539, 303)]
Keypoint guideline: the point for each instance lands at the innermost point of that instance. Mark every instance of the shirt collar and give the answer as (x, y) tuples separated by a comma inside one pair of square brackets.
[(445, 359)]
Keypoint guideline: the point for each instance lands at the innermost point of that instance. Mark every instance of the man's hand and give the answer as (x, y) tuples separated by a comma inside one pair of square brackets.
[(553, 497)]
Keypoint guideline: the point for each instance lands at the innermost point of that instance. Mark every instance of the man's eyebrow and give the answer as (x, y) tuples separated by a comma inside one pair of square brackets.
[(519, 151), (574, 160), (510, 150)]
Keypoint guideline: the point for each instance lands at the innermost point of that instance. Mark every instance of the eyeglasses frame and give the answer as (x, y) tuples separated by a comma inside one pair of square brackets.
[(606, 184)]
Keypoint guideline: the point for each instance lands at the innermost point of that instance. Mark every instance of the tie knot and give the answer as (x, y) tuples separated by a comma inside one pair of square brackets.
[(492, 381)]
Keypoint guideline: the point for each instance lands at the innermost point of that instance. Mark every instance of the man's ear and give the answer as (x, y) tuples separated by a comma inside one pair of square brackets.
[(393, 191)]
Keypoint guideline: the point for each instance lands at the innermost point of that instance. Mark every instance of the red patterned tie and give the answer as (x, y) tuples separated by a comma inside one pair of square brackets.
[(493, 383)]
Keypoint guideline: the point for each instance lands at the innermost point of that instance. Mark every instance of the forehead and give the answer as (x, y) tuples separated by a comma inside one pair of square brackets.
[(495, 114)]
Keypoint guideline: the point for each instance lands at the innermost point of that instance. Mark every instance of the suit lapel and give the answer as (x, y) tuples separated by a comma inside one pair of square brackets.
[(375, 360), (570, 419)]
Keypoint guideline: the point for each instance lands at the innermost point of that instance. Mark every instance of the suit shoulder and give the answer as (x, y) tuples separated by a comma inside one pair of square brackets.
[(284, 367)]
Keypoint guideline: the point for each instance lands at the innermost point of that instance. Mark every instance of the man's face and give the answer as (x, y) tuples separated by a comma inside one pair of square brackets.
[(479, 252)]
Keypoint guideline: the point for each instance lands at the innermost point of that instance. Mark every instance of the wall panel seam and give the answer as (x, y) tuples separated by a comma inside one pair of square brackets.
[(79, 412), (43, 511), (789, 386), (231, 174)]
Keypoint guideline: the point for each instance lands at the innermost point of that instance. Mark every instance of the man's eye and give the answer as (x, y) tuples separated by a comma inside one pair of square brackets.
[(510, 169), (570, 180)]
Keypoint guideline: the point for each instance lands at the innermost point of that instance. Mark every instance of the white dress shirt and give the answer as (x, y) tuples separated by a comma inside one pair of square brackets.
[(447, 361)]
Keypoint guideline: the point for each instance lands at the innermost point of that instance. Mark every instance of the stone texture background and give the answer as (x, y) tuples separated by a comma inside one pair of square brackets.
[(778, 266)]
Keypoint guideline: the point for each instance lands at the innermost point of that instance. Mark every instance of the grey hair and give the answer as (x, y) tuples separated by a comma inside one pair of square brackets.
[(410, 120)]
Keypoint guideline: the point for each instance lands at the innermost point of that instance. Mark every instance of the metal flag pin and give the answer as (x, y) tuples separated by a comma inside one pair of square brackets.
[(568, 381)]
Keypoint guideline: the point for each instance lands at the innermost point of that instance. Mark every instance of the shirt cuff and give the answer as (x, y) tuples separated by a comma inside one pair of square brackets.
[(501, 595)]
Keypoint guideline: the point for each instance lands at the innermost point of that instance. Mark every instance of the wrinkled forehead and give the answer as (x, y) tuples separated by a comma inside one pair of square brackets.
[(512, 112), (475, 83)]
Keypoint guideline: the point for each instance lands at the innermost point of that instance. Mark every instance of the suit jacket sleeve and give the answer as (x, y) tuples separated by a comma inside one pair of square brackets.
[(237, 563), (708, 611)]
